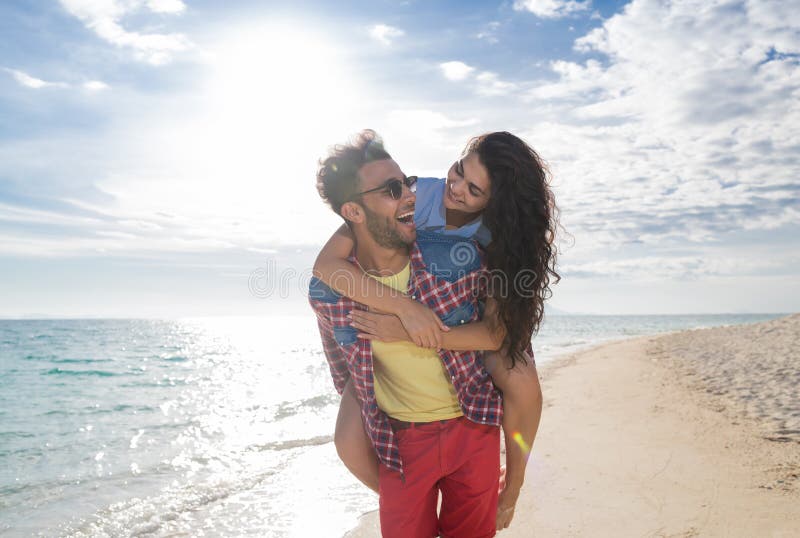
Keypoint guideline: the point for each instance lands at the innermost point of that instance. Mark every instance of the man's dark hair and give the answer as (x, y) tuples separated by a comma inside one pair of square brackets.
[(337, 177)]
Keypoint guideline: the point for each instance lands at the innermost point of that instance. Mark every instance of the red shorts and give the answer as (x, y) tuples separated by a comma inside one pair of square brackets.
[(457, 457)]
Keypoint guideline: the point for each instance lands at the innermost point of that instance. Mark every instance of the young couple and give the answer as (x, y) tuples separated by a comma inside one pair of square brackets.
[(426, 300)]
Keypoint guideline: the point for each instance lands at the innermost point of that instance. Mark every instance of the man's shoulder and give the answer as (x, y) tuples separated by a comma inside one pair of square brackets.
[(448, 256)]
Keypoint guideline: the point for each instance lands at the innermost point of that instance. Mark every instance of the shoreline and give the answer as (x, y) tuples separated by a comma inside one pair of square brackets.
[(676, 434)]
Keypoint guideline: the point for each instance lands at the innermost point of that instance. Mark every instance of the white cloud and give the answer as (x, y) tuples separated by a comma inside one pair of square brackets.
[(490, 84), (24, 79), (95, 85), (29, 81), (456, 70), (489, 33), (103, 18), (552, 9), (166, 6), (684, 129), (713, 263), (423, 140), (485, 83), (385, 34), (426, 120)]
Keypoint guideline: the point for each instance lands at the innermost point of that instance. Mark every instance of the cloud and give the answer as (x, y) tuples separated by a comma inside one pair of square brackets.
[(24, 79), (103, 18), (489, 33), (166, 6), (485, 83), (427, 120), (95, 85), (655, 268), (490, 84), (681, 127), (385, 34), (551, 9), (29, 81), (422, 140), (456, 70)]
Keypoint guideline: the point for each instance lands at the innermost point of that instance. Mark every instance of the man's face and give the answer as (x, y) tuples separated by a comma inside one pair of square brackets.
[(390, 222)]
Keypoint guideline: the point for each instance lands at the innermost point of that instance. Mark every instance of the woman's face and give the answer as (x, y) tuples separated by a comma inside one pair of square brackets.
[(468, 185)]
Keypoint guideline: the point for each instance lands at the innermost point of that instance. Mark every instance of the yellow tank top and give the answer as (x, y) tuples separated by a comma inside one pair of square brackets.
[(411, 382)]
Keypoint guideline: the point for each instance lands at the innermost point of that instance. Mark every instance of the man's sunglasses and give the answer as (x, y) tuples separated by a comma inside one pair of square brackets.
[(393, 187)]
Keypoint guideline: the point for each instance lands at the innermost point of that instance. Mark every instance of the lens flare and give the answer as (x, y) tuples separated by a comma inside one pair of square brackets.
[(526, 449)]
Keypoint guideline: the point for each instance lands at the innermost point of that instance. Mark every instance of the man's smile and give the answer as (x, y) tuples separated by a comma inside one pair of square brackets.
[(407, 217)]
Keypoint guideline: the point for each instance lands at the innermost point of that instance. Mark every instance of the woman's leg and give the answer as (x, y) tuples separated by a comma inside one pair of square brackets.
[(352, 444), (522, 409)]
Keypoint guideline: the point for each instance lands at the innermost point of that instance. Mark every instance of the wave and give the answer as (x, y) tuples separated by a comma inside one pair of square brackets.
[(157, 515), (292, 443), (11, 435), (56, 360), (172, 358), (98, 373), (79, 361), (289, 409), (171, 383)]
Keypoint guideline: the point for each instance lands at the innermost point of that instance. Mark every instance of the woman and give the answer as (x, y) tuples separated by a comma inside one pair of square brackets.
[(497, 193)]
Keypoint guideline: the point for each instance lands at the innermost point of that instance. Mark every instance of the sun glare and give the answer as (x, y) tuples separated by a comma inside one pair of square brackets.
[(245, 147), (272, 92), (277, 81)]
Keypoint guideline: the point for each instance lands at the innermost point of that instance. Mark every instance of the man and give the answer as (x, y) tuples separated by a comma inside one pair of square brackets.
[(432, 417)]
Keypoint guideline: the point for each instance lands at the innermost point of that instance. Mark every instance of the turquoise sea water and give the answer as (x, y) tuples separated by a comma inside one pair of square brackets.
[(201, 427)]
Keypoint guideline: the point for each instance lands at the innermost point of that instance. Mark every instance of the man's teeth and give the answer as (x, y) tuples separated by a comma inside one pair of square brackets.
[(406, 215)]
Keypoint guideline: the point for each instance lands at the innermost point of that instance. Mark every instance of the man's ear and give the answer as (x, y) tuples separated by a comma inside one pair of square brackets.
[(353, 212)]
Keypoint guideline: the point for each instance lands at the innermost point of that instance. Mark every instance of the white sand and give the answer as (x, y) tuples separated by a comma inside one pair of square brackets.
[(688, 434)]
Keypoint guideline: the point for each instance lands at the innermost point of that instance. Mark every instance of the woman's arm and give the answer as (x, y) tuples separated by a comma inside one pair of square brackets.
[(485, 335), (331, 266)]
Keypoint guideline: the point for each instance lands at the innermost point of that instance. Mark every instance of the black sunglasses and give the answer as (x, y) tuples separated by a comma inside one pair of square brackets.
[(393, 186)]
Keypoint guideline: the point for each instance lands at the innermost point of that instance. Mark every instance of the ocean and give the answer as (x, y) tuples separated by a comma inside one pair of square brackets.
[(197, 427)]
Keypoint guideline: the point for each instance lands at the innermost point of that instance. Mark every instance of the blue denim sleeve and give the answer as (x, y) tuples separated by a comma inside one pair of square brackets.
[(429, 199)]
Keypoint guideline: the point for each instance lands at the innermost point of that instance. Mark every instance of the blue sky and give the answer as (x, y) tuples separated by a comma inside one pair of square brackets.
[(157, 157)]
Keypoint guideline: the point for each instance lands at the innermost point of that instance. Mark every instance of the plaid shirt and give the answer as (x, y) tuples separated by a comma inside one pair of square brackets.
[(451, 283)]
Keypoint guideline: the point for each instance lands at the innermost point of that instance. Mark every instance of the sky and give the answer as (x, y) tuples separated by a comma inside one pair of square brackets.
[(157, 157)]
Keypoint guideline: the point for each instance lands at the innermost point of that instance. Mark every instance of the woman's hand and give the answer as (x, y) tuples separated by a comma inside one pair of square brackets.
[(506, 503), (383, 327), (423, 326)]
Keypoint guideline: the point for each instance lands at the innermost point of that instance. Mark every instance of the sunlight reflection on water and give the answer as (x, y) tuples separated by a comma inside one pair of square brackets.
[(225, 429)]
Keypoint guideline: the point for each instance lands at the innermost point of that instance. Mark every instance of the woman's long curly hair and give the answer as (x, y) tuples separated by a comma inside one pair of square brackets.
[(522, 216)]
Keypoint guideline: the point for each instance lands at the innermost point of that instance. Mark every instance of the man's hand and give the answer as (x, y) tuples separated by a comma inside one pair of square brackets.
[(383, 327), (423, 326)]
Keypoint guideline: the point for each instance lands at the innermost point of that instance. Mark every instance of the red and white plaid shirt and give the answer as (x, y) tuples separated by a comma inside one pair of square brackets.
[(350, 357)]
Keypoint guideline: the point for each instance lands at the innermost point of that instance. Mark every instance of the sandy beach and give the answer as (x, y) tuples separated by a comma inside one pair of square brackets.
[(694, 433)]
